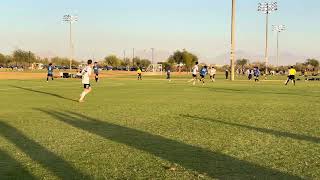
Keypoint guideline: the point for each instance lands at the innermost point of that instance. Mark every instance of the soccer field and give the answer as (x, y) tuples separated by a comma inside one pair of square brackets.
[(153, 129)]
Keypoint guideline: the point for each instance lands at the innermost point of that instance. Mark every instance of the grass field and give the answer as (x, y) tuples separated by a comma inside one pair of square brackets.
[(153, 129)]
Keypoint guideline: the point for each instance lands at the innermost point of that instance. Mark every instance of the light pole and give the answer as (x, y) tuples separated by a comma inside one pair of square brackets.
[(152, 56), (267, 8), (70, 19), (152, 59), (278, 29), (133, 51), (233, 32)]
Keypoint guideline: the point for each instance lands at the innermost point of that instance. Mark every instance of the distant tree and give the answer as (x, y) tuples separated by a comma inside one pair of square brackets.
[(2, 59), (61, 61), (313, 62), (112, 61), (8, 60), (145, 63), (126, 62), (176, 58), (22, 57), (242, 62), (183, 57)]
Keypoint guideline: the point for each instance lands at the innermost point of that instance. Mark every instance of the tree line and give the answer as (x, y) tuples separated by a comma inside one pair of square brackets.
[(24, 59), (180, 60), (311, 65)]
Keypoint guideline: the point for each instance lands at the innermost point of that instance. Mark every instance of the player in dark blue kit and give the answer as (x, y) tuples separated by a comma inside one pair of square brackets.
[(96, 71), (50, 72), (203, 73)]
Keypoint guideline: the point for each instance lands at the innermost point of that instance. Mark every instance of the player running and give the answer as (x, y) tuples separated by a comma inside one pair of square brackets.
[(96, 71), (292, 76), (50, 72), (203, 73), (213, 72), (256, 73), (195, 70), (86, 73)]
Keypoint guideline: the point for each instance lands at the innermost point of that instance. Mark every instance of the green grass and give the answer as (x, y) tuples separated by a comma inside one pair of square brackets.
[(153, 129)]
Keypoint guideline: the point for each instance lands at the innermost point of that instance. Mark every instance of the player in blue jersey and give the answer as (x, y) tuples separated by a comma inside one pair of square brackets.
[(256, 73), (203, 73), (96, 71), (50, 72)]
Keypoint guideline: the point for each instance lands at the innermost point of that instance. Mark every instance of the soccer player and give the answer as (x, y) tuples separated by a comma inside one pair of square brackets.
[(292, 76), (168, 69), (96, 71), (195, 70), (256, 73), (203, 73), (213, 74), (86, 73), (139, 72), (50, 72), (227, 74)]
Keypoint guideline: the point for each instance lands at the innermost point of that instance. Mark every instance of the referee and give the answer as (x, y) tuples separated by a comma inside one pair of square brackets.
[(292, 76)]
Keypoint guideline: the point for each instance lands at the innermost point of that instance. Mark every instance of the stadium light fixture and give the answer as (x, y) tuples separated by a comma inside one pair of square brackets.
[(267, 8), (70, 19), (278, 29)]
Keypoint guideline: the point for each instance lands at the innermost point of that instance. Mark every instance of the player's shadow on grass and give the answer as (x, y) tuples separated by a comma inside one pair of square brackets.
[(40, 154), (12, 169), (214, 164), (255, 91), (263, 130), (45, 93)]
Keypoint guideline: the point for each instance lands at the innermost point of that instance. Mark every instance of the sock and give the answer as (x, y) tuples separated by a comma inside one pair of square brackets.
[(83, 94)]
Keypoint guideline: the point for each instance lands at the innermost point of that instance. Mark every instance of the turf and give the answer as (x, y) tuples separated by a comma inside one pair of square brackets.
[(153, 129)]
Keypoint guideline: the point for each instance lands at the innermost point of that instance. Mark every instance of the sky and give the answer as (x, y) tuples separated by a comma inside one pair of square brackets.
[(108, 27)]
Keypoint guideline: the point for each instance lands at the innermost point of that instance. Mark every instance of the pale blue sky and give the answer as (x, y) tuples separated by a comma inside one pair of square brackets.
[(109, 26)]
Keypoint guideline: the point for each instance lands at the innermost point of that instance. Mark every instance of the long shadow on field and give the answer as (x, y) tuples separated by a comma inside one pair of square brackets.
[(263, 130), (12, 169), (254, 91), (40, 154), (45, 93), (214, 164)]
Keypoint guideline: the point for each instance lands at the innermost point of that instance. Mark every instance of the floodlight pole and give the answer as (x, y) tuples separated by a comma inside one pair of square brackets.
[(266, 48), (277, 48), (267, 8), (70, 19), (152, 49), (71, 45), (278, 29), (152, 59), (233, 32), (133, 57)]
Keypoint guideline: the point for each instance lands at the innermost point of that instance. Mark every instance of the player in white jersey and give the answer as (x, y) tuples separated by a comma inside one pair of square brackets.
[(86, 73), (213, 72), (195, 70)]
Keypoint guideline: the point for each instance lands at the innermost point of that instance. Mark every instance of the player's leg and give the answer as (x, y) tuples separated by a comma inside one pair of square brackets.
[(288, 80), (96, 77), (87, 90), (293, 78)]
